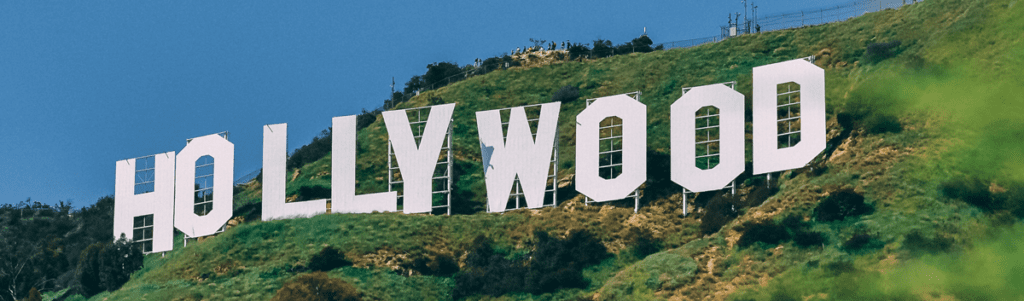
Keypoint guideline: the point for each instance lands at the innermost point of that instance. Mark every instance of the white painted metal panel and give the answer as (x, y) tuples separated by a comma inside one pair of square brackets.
[(417, 162), (767, 155), (159, 203), (343, 174), (634, 148), (275, 157), (223, 153), (518, 154), (731, 135)]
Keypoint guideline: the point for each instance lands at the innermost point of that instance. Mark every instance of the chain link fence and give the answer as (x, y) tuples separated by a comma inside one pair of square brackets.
[(796, 19)]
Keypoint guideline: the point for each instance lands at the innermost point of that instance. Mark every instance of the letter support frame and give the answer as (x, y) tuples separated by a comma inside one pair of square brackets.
[(419, 126), (732, 185), (636, 192)]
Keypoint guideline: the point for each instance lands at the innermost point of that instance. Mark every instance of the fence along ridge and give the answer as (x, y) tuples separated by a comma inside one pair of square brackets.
[(773, 22)]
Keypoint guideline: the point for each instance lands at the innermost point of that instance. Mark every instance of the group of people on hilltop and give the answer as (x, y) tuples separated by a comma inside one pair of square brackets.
[(551, 46)]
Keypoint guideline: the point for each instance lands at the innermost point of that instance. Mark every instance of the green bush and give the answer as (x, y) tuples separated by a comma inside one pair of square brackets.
[(970, 190), (643, 243), (720, 209), (882, 123), (558, 263), (801, 233), (767, 232), (89, 267), (841, 204), (578, 51), (488, 272), (554, 264), (917, 243), (107, 266), (317, 286), (602, 48), (316, 192), (432, 263), (861, 240), (566, 94), (877, 52), (120, 260), (309, 153), (328, 259), (366, 118)]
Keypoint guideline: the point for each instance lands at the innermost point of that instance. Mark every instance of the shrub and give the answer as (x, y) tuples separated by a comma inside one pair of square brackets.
[(840, 205), (438, 74), (882, 123), (970, 190), (107, 266), (554, 264), (641, 44), (860, 240), (808, 238), (89, 267), (318, 148), (643, 242), (119, 261), (366, 118), (315, 192), (873, 108), (558, 263), (317, 286), (801, 233), (877, 52), (488, 272), (917, 243), (767, 232), (566, 94), (328, 259), (602, 48), (578, 51), (720, 209), (435, 100), (432, 263)]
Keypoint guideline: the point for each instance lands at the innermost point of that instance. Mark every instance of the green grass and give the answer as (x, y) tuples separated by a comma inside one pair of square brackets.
[(954, 86)]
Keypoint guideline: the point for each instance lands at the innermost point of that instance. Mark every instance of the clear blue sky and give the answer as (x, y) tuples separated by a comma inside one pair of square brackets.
[(86, 83)]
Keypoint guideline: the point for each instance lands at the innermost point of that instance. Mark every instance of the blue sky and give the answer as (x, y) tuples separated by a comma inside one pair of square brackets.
[(86, 83)]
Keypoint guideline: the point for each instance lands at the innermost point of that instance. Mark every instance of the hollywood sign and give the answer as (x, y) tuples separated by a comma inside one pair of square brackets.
[(200, 204)]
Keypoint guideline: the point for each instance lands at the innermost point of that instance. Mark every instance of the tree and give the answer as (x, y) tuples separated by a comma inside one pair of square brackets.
[(120, 260), (89, 267), (438, 73), (602, 48), (578, 51), (414, 84)]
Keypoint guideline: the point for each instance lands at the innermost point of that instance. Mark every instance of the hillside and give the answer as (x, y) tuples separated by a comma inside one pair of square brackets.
[(923, 176)]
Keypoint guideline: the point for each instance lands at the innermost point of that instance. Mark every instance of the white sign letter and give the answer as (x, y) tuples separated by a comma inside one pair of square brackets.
[(343, 174), (731, 154), (518, 154), (417, 163), (634, 148), (203, 202), (768, 157), (149, 214), (275, 155)]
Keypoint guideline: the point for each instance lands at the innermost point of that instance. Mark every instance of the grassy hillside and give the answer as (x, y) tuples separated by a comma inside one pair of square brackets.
[(926, 132)]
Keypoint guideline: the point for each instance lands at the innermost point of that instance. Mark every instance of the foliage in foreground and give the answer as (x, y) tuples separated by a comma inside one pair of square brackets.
[(555, 263)]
